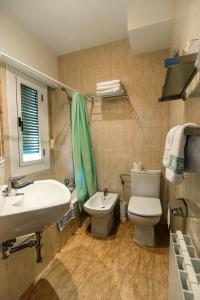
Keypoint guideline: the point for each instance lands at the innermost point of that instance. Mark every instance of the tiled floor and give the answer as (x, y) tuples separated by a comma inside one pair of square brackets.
[(115, 268)]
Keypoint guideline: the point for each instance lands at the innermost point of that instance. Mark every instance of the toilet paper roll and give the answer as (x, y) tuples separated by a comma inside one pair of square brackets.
[(137, 166)]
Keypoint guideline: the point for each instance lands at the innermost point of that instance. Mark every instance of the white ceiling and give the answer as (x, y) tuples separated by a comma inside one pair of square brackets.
[(69, 25)]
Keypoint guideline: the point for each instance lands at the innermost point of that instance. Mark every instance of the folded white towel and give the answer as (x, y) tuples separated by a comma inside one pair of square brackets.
[(174, 153), (107, 83), (68, 216), (108, 87), (110, 93)]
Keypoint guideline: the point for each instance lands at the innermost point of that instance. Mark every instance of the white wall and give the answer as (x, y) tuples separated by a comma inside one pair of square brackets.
[(150, 24), (22, 45), (186, 22), (143, 13)]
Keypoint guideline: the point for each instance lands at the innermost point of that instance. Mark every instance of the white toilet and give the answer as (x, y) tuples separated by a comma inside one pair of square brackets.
[(144, 207)]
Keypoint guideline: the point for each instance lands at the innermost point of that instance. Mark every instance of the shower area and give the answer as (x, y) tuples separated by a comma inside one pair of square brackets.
[(100, 112), (121, 130)]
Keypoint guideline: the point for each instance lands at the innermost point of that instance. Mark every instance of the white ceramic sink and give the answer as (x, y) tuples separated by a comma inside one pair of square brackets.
[(42, 204)]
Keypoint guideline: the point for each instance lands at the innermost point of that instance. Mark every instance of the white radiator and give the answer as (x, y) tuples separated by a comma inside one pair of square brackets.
[(184, 268)]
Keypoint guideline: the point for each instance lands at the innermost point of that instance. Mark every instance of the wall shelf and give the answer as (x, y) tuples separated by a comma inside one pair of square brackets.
[(193, 90), (123, 95), (182, 78)]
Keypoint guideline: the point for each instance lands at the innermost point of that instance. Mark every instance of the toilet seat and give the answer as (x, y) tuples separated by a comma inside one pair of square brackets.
[(144, 206)]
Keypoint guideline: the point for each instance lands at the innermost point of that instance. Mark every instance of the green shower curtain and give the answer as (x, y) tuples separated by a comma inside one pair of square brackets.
[(83, 155)]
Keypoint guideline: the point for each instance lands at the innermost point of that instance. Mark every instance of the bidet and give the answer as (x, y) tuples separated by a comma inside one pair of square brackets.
[(101, 209)]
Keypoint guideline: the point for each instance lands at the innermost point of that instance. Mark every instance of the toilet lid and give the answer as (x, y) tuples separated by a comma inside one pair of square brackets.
[(144, 206)]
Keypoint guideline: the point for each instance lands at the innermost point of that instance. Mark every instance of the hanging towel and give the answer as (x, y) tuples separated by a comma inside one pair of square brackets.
[(107, 83), (168, 145), (68, 216), (108, 87), (173, 158), (83, 154)]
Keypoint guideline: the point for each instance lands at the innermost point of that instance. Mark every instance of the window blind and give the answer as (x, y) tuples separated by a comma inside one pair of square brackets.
[(30, 120)]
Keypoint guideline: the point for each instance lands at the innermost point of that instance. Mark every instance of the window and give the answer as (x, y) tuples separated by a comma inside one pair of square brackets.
[(30, 102), (28, 121), (28, 125)]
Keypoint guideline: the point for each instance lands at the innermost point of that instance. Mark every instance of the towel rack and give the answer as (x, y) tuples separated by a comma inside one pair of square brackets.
[(192, 131), (123, 95)]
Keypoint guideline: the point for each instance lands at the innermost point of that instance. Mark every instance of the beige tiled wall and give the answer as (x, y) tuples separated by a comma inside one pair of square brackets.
[(20, 269), (122, 132)]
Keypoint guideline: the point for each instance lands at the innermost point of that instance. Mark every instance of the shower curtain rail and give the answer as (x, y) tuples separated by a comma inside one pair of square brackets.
[(44, 78), (36, 74), (89, 98)]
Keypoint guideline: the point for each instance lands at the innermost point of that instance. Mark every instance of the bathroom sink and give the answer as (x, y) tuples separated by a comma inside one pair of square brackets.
[(42, 204)]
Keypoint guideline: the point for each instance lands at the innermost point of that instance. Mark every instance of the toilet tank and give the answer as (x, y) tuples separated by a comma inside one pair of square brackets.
[(145, 183)]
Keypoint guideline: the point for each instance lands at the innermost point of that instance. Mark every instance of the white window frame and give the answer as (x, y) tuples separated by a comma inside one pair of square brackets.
[(40, 92), (18, 166)]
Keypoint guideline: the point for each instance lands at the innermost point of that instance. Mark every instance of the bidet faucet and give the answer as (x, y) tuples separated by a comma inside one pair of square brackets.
[(105, 192)]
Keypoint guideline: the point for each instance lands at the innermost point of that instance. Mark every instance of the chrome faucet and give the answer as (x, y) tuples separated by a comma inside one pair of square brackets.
[(13, 184), (105, 192), (16, 184), (70, 183)]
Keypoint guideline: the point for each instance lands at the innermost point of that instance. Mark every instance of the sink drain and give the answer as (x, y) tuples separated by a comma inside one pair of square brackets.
[(103, 207)]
